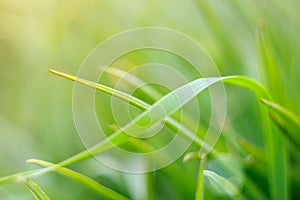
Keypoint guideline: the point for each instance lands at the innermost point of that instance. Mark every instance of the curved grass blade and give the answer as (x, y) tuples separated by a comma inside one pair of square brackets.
[(170, 122), (36, 190), (108, 193), (164, 107), (220, 184), (228, 167), (276, 150), (275, 144), (153, 94)]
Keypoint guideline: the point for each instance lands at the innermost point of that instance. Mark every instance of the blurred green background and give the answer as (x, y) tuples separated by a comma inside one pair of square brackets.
[(36, 107)]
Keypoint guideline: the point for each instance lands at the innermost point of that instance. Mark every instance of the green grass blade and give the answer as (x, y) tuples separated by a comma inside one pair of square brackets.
[(170, 122), (100, 189), (221, 184), (153, 94), (276, 150), (134, 101), (282, 111), (275, 145), (149, 91), (16, 177), (287, 122), (36, 190), (200, 181), (164, 107), (269, 68)]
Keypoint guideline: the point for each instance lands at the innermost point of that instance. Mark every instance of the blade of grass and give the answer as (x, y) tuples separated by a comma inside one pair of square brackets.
[(36, 190), (274, 142), (100, 189), (154, 94), (221, 184), (200, 181), (149, 91), (170, 122), (268, 65), (287, 122), (282, 111), (291, 132), (16, 177)]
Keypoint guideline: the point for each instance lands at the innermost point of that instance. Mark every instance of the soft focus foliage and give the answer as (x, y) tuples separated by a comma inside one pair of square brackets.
[(258, 39)]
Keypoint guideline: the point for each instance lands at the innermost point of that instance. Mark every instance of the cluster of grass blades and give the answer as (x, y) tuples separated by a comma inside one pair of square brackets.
[(277, 171)]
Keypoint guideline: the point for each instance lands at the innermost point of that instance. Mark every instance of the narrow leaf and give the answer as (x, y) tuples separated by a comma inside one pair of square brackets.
[(221, 184), (276, 150), (286, 121), (282, 111), (36, 190), (200, 181), (108, 193)]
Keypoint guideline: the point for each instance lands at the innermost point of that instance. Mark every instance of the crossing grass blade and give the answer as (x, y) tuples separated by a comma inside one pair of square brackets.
[(100, 189), (167, 105), (170, 122), (275, 144), (163, 108), (153, 94), (36, 190)]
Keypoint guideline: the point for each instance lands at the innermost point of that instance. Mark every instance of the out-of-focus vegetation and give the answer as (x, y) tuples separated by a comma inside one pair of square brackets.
[(258, 39)]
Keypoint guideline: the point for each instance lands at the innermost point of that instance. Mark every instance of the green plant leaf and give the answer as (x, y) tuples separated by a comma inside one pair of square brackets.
[(287, 121), (153, 94), (200, 181), (282, 111), (108, 193), (269, 68), (16, 177), (276, 150), (162, 109), (36, 190), (275, 144), (220, 184), (225, 175)]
